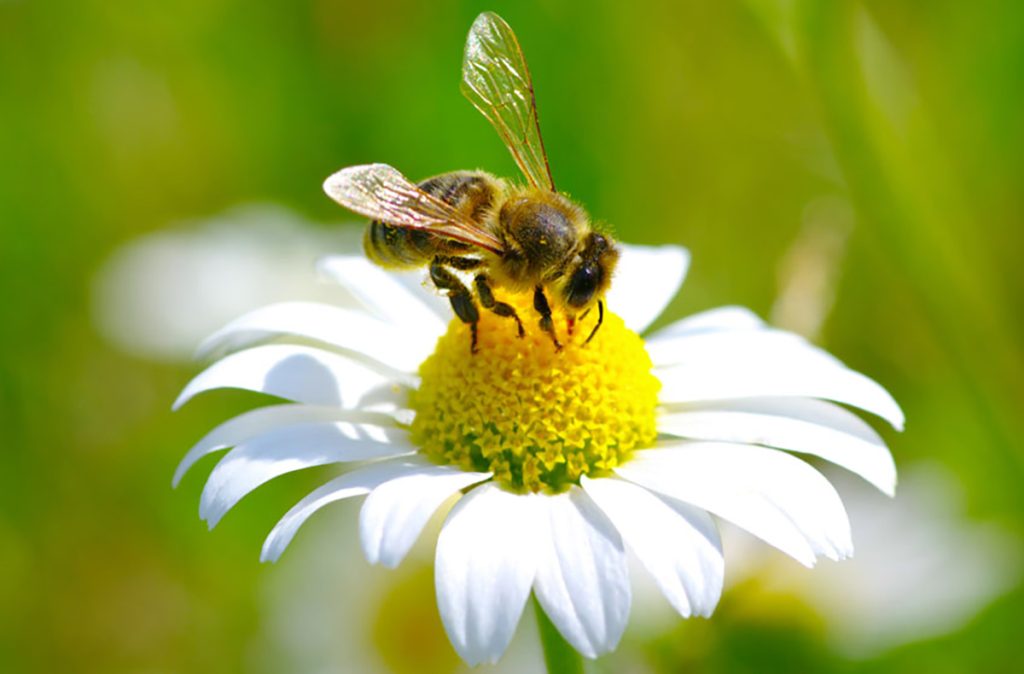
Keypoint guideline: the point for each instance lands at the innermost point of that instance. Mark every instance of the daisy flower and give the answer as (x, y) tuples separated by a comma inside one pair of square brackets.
[(558, 463)]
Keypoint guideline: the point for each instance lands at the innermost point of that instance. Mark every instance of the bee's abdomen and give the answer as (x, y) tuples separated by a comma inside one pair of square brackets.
[(391, 246), (473, 196)]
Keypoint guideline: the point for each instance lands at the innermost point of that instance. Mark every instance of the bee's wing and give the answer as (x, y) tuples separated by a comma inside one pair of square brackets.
[(382, 193), (496, 80)]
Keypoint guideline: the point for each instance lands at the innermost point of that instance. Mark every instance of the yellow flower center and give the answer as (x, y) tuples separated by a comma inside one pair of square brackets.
[(536, 417)]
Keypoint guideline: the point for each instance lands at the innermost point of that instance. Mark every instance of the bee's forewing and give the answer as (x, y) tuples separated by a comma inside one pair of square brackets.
[(381, 192)]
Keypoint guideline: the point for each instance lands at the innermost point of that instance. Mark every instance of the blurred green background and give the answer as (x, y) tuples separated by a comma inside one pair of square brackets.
[(852, 170)]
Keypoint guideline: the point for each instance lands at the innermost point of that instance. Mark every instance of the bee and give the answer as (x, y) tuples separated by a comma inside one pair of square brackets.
[(519, 238)]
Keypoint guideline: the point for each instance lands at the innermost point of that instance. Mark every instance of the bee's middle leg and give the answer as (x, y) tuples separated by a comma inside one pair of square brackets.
[(540, 303), (459, 295), (483, 291)]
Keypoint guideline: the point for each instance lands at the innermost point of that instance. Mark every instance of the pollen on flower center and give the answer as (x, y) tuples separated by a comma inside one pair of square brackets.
[(536, 417)]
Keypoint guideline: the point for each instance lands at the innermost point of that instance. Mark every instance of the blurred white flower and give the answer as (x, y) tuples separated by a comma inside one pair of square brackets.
[(158, 295), (554, 459), (923, 568)]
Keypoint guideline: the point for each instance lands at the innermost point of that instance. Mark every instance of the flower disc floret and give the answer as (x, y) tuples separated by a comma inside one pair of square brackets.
[(537, 417)]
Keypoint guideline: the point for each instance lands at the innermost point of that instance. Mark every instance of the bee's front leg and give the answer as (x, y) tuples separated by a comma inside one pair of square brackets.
[(600, 320), (460, 297)]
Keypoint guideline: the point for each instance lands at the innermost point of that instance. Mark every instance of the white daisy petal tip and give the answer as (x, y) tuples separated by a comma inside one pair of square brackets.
[(485, 566), (900, 423), (582, 577), (646, 280)]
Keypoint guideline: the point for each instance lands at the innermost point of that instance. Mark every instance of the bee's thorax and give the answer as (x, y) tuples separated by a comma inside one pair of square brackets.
[(541, 231)]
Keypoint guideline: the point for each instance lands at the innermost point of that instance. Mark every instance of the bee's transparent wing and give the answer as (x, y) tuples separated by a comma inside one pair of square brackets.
[(382, 193), (496, 80)]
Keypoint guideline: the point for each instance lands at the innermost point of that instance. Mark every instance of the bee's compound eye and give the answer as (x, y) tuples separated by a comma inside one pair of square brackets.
[(582, 285)]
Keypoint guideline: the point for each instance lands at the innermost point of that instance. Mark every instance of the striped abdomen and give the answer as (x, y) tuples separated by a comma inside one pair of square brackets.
[(473, 194)]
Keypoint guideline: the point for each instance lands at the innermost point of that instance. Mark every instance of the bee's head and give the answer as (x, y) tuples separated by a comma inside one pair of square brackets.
[(588, 279)]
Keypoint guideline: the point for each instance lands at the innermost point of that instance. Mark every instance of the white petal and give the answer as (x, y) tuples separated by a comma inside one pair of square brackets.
[(292, 448), (732, 347), (676, 542), (582, 577), (646, 280), (417, 283), (722, 377), (727, 353), (390, 399), (860, 451), (357, 333), (262, 419), (395, 513), (819, 412), (300, 373), (774, 496), (355, 483), (382, 294), (717, 319), (485, 565)]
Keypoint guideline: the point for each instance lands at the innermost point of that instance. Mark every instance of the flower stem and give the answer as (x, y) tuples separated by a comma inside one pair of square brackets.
[(559, 656)]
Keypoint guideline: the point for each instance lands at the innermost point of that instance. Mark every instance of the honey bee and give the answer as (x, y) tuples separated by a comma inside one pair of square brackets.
[(512, 237)]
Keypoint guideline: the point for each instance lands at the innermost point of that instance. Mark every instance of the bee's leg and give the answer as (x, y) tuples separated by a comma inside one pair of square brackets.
[(600, 320), (459, 296), (540, 303), (483, 291)]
